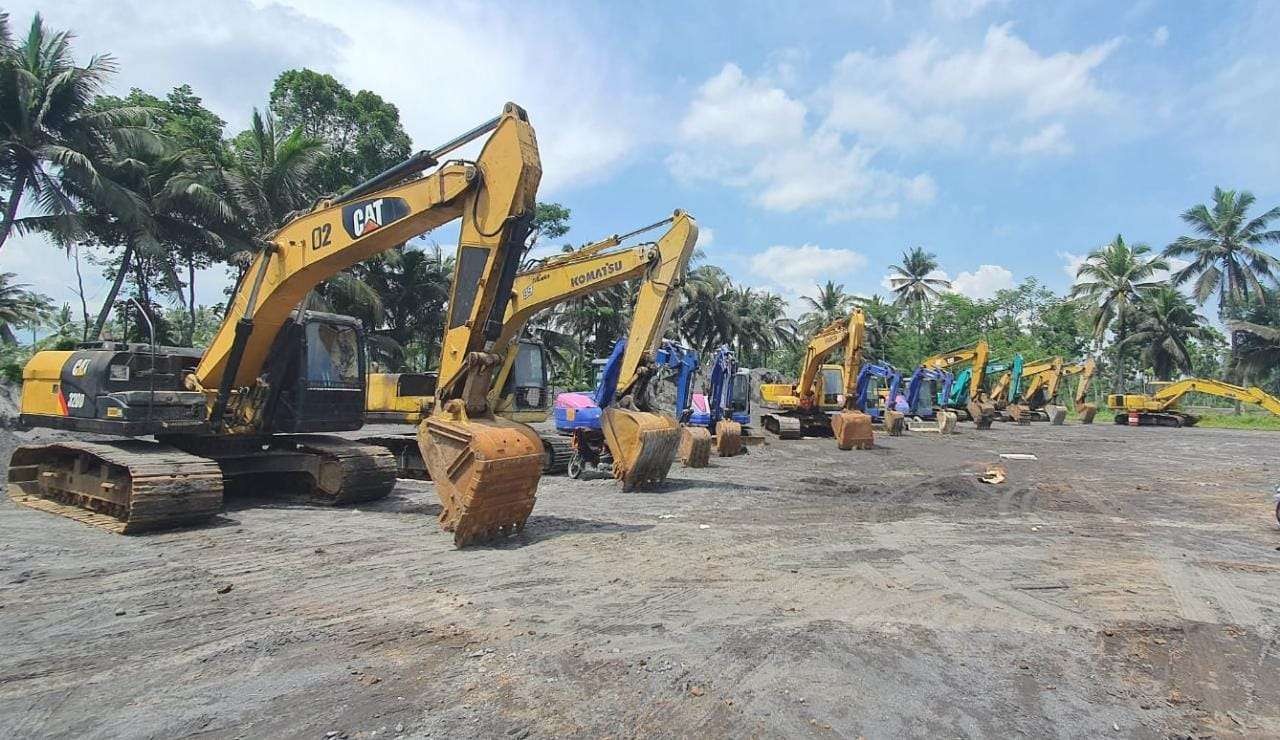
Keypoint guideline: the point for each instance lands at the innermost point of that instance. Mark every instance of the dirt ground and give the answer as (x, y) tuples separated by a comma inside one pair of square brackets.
[(1126, 583)]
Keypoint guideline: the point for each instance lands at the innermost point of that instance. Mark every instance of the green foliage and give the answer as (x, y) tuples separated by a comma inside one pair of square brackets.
[(361, 132), (179, 116), (1259, 421)]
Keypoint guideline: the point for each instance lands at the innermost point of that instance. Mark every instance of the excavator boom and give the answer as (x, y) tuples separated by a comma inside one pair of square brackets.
[(274, 368), (800, 408), (1161, 407), (979, 407)]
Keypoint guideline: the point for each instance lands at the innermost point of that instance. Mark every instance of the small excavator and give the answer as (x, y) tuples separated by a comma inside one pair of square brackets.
[(520, 388), (823, 401), (1160, 408), (881, 410), (728, 413), (641, 442), (722, 418), (925, 387), (274, 375), (968, 382), (1085, 369)]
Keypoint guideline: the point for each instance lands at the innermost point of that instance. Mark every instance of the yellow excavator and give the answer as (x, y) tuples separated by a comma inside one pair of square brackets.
[(1032, 396), (274, 376), (968, 382), (1160, 408), (551, 282), (1085, 369), (823, 401)]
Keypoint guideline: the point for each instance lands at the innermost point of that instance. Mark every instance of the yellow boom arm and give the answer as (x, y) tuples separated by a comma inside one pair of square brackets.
[(1085, 370), (591, 269), (1168, 396), (976, 356), (494, 197), (846, 332)]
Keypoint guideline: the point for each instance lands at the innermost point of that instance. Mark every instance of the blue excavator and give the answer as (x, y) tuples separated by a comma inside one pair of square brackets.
[(924, 412), (725, 415), (886, 416)]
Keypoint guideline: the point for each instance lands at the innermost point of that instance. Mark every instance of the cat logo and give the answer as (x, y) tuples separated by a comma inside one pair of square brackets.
[(367, 216), (80, 368)]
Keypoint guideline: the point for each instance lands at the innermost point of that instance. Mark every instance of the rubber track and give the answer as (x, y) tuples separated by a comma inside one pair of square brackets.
[(368, 471), (561, 453), (168, 488)]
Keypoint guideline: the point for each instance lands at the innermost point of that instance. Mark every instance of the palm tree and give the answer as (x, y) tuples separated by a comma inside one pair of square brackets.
[(19, 307), (1165, 323), (178, 217), (273, 173), (1227, 255), (883, 321), (1258, 350), (51, 135), (910, 281), (706, 316), (1113, 278), (830, 304)]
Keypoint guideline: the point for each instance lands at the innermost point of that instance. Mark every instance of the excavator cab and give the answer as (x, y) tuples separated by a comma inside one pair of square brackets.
[(528, 385), (318, 363)]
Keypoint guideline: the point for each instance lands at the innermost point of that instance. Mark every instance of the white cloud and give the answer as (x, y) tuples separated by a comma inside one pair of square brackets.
[(1004, 70), (742, 112), (961, 9), (425, 57), (706, 236), (1160, 36), (795, 271), (750, 134), (1071, 264), (1050, 140), (428, 59), (983, 282)]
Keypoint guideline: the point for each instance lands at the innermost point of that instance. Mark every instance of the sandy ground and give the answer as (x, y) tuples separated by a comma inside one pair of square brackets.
[(1123, 584)]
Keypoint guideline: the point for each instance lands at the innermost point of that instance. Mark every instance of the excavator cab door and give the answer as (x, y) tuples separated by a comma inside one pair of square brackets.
[(321, 378), (528, 383)]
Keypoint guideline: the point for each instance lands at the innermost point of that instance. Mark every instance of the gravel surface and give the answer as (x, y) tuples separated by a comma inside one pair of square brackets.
[(1125, 583)]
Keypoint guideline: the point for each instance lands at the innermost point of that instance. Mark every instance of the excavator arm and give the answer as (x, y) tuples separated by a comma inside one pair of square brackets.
[(492, 196), (1161, 407), (1168, 396), (979, 407), (592, 269)]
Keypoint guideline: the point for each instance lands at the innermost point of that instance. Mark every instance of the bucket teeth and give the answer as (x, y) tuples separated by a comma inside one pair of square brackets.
[(643, 445), (486, 473), (695, 447)]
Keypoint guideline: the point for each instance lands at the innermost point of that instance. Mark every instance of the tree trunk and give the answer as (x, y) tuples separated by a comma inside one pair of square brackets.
[(11, 208), (110, 300), (84, 305), (189, 339)]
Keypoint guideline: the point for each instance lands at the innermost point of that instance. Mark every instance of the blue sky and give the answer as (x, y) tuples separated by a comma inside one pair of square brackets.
[(817, 142)]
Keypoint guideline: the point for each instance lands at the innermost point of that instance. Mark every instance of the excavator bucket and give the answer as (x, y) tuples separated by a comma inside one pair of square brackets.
[(947, 422), (982, 414), (852, 429), (728, 438), (486, 473), (695, 447), (1019, 414), (1057, 414), (1087, 412), (643, 445), (895, 423)]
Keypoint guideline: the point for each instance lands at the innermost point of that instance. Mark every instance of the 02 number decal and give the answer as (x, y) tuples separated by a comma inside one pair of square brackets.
[(320, 236)]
